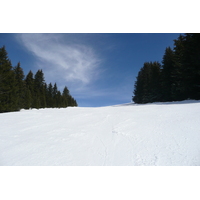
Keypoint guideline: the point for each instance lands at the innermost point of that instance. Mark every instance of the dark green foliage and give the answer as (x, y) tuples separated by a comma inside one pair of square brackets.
[(39, 90), (29, 90), (178, 78), (168, 65), (32, 92), (65, 96), (20, 87), (191, 65), (54, 95), (178, 89), (147, 87), (7, 83), (49, 96), (186, 74)]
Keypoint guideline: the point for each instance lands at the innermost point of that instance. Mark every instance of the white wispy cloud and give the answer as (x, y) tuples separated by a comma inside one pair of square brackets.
[(62, 61)]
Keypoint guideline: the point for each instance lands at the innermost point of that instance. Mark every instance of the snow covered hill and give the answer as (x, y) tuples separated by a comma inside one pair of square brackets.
[(153, 134)]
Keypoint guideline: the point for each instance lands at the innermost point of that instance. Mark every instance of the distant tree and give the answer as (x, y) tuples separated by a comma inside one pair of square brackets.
[(73, 102), (65, 97), (49, 97), (58, 99), (55, 91)]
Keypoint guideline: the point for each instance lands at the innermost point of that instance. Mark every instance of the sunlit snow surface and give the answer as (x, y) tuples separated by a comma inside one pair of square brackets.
[(159, 134)]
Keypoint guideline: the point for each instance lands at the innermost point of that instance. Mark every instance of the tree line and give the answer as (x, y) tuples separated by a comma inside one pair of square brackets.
[(177, 78), (18, 91)]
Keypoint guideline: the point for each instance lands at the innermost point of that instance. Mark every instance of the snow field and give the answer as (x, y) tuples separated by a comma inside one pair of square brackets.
[(162, 134)]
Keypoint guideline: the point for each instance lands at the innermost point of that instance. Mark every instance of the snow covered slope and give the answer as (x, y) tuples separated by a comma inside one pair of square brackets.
[(152, 134)]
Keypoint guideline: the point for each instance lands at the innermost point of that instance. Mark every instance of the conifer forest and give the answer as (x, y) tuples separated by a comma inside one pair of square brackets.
[(18, 91), (177, 78)]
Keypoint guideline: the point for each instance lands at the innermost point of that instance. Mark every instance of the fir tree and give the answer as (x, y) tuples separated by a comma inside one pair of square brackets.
[(39, 91), (7, 83), (65, 96), (191, 65), (147, 86), (168, 64), (179, 75), (54, 95), (58, 100), (20, 85), (178, 88), (29, 90), (49, 97)]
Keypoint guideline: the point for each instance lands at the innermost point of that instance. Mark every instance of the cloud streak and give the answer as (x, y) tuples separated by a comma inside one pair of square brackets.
[(62, 60)]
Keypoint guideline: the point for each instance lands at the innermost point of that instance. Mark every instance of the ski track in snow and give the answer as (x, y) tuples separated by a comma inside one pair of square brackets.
[(159, 134)]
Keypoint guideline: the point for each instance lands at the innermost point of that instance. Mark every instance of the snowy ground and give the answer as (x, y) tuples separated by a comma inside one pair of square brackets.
[(159, 134)]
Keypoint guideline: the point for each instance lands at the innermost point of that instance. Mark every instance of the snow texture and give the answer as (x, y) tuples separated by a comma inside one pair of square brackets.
[(158, 134)]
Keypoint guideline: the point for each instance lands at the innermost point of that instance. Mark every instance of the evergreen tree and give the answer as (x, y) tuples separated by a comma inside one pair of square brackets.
[(65, 96), (191, 65), (187, 63), (147, 86), (46, 93), (7, 83), (49, 97), (20, 86), (155, 82), (39, 90), (58, 100), (168, 64), (139, 87), (54, 95), (178, 88), (179, 75), (29, 90), (28, 99)]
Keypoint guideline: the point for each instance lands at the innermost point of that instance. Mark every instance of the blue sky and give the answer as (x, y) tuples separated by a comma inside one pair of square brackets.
[(99, 69)]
